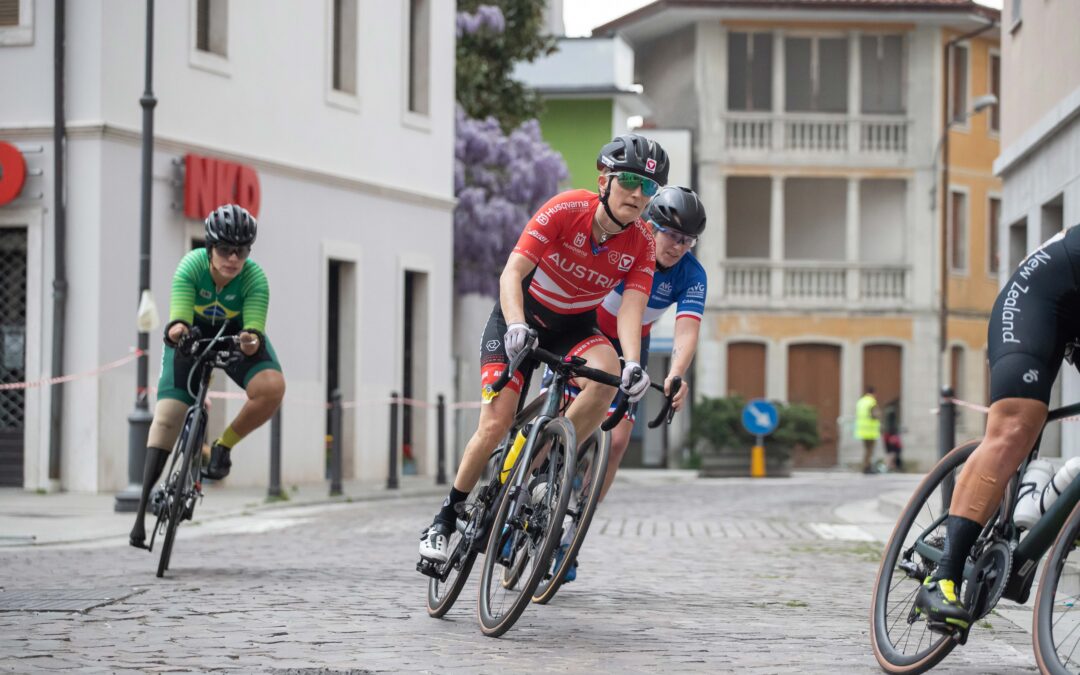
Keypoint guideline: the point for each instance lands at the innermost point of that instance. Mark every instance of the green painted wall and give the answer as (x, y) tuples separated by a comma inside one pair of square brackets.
[(577, 129)]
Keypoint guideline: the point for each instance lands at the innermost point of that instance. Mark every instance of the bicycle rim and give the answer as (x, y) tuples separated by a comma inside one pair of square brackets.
[(536, 535), (178, 491), (592, 464), (1056, 633), (901, 646)]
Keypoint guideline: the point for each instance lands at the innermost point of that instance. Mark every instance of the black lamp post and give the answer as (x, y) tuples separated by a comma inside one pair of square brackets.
[(140, 418)]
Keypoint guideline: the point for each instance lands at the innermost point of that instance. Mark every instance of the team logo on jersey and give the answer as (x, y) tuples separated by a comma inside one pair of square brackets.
[(203, 293), (492, 345), (696, 292), (579, 239), (625, 262), (231, 296), (650, 165), (542, 218), (537, 236), (215, 312), (613, 257), (664, 288)]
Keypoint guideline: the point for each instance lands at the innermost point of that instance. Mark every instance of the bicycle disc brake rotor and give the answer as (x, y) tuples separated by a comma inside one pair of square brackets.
[(988, 578)]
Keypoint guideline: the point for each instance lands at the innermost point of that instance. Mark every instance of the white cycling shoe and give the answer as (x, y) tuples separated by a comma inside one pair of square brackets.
[(433, 543)]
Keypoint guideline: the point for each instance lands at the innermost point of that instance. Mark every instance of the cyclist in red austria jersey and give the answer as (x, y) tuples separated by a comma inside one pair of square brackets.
[(573, 252)]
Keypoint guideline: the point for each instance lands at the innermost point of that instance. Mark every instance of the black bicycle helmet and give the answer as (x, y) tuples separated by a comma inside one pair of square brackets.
[(677, 208), (634, 153), (230, 224)]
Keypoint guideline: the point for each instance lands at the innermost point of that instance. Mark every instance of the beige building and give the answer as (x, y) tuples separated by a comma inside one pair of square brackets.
[(1040, 142), (817, 130)]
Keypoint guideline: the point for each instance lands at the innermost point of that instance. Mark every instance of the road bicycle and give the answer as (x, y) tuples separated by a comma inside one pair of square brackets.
[(1002, 565), (535, 483), (174, 500)]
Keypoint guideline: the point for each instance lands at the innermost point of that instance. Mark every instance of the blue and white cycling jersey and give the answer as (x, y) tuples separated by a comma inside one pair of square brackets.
[(683, 285)]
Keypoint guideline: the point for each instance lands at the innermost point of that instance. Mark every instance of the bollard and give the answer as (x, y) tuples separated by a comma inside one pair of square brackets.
[(335, 447), (392, 477), (440, 476), (947, 436), (275, 456)]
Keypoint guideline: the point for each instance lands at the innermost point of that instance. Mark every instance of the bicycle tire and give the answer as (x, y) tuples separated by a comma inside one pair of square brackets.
[(939, 646), (1046, 652), (600, 441), (179, 485), (563, 444), (443, 594)]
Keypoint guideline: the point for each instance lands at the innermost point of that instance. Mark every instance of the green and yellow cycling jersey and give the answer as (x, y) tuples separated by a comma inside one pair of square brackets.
[(196, 299)]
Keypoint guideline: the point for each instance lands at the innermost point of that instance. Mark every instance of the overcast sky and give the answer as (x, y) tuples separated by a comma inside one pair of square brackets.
[(581, 16)]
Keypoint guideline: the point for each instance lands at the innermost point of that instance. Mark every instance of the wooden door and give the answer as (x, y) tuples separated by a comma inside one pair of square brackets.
[(746, 369), (814, 379), (881, 370)]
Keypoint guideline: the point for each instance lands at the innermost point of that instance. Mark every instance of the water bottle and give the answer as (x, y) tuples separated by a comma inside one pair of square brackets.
[(1036, 478), (1040, 500), (511, 457)]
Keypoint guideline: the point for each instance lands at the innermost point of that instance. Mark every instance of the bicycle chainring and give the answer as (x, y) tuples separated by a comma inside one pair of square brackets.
[(986, 583)]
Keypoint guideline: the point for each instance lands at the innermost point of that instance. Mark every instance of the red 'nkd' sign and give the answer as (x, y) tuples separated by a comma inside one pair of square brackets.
[(12, 172), (209, 183)]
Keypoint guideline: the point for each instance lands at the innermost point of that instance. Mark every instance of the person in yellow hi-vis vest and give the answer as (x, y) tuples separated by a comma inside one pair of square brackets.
[(867, 426)]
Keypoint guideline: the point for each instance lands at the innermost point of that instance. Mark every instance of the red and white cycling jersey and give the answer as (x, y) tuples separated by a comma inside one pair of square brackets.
[(572, 274)]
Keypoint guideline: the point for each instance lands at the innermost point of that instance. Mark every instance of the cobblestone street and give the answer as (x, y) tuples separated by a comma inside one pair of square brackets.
[(677, 575)]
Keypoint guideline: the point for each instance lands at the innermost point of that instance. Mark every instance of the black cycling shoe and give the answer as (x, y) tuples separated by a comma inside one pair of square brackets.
[(937, 602), (219, 462), (137, 538)]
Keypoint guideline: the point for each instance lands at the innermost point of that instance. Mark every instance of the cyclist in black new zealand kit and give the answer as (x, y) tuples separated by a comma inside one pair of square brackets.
[(1037, 313)]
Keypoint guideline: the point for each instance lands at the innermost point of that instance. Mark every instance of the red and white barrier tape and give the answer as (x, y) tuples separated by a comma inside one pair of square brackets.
[(230, 395), (49, 381), (984, 409)]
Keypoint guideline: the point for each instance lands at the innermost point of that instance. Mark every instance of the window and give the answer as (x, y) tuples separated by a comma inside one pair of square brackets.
[(344, 46), (750, 71), (212, 26), (993, 220), (419, 55), (9, 12), (995, 89), (882, 58), (958, 76), (956, 368), (16, 22), (958, 232), (816, 71)]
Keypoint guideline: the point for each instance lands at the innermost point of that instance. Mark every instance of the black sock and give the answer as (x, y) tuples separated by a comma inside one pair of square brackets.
[(448, 514), (960, 534)]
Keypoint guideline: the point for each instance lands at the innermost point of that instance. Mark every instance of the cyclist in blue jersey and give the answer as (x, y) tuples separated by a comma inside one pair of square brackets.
[(677, 218)]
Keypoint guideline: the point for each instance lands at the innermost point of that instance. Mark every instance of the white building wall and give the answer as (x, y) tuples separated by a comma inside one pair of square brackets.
[(370, 180)]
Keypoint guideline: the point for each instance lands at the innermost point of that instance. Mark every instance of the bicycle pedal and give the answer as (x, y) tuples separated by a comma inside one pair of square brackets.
[(428, 568)]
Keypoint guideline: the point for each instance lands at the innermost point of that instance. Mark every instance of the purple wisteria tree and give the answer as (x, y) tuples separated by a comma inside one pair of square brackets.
[(500, 179)]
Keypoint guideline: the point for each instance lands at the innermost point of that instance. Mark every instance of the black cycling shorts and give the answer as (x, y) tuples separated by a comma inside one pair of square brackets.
[(574, 337), (1034, 317)]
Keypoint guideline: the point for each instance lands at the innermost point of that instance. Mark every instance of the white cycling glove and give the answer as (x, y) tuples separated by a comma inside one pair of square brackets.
[(515, 339), (636, 390)]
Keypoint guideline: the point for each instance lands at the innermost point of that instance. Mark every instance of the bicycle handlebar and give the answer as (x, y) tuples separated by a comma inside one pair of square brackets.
[(576, 366)]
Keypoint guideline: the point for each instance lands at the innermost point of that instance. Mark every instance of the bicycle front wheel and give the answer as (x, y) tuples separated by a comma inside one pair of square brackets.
[(178, 490), (1057, 620), (902, 642), (528, 522), (586, 485), (464, 545)]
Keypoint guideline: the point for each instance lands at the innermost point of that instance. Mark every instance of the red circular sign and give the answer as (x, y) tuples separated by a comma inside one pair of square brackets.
[(12, 172)]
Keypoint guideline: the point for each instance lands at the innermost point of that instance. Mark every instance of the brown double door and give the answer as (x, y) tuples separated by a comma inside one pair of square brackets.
[(814, 379)]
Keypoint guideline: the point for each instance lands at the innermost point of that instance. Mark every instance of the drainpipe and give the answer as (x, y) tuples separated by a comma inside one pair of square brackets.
[(56, 406)]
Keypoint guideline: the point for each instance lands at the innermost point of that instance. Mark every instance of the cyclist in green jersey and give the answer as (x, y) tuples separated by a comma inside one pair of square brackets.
[(212, 286)]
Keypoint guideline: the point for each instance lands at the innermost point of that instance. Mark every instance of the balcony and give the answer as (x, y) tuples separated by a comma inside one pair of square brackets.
[(762, 284), (772, 138)]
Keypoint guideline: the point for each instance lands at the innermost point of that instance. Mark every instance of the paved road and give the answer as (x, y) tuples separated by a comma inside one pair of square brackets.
[(685, 576)]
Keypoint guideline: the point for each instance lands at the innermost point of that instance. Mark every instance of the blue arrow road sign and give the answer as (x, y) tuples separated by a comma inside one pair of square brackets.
[(760, 417)]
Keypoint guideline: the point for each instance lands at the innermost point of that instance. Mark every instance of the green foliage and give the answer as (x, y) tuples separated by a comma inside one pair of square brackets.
[(486, 59), (716, 427)]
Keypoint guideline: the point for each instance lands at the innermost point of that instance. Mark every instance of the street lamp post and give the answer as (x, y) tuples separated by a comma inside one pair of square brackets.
[(140, 418)]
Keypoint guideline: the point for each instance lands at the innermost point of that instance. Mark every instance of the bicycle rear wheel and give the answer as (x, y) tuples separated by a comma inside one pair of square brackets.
[(531, 528), (1056, 632), (464, 545), (592, 464), (901, 644)]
